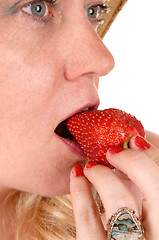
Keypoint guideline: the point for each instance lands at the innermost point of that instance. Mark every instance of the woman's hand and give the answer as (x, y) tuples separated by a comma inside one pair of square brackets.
[(137, 188)]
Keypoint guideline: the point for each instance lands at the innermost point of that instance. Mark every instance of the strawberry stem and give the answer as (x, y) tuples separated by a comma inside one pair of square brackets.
[(126, 144)]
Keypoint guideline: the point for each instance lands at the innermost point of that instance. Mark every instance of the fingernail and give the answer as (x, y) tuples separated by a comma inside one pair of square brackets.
[(78, 170), (116, 149), (91, 164), (141, 143)]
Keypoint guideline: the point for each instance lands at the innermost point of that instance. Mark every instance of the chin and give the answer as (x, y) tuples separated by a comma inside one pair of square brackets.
[(55, 193), (55, 190)]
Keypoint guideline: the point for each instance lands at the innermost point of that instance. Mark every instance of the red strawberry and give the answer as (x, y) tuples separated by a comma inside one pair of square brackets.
[(98, 130)]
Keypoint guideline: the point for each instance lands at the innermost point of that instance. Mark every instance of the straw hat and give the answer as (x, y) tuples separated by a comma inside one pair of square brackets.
[(114, 7)]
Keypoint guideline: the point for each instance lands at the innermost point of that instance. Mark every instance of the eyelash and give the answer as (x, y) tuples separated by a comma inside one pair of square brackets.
[(102, 8), (43, 19)]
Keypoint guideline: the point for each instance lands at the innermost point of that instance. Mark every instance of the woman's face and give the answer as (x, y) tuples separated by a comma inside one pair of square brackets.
[(50, 61)]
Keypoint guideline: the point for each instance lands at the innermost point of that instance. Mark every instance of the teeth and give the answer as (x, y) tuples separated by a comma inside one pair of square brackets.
[(86, 109)]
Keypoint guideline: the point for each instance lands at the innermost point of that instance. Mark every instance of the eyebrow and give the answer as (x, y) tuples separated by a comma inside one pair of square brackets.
[(9, 10)]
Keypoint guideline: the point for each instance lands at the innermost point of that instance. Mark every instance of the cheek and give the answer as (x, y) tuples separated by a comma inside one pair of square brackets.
[(29, 93), (27, 87), (28, 83), (27, 73), (26, 98)]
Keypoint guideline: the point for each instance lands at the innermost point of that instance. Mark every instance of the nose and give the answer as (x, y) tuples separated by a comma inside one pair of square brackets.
[(86, 53)]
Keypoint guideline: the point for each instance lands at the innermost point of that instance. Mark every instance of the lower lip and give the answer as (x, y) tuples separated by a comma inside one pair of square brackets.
[(74, 146)]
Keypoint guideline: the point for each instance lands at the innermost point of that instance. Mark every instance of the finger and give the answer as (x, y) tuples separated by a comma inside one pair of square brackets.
[(113, 192), (139, 143), (153, 138), (88, 222), (139, 168), (144, 172), (132, 187)]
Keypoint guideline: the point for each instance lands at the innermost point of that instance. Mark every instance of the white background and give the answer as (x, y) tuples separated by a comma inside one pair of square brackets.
[(133, 85)]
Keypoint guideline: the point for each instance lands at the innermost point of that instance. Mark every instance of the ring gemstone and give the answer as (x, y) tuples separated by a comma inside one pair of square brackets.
[(125, 225)]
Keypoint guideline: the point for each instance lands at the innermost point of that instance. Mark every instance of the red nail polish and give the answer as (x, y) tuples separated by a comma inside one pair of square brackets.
[(141, 143), (91, 164), (116, 149), (78, 170)]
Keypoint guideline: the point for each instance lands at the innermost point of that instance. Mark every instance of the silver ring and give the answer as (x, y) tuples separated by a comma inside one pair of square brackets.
[(125, 225), (99, 203)]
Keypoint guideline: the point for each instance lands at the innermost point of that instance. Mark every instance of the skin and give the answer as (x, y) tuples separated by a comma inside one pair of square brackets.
[(135, 187), (43, 66)]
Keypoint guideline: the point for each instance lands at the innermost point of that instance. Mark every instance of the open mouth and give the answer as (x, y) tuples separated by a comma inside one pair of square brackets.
[(63, 132)]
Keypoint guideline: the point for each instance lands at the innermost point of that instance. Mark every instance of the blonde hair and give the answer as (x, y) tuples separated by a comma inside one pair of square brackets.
[(44, 218)]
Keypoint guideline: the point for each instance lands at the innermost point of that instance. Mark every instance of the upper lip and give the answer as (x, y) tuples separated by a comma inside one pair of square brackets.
[(89, 106)]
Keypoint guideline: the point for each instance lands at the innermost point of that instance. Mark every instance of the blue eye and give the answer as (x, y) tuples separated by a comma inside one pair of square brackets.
[(94, 12), (37, 9)]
